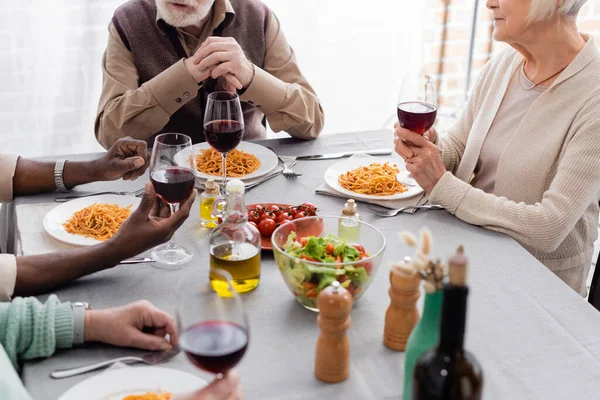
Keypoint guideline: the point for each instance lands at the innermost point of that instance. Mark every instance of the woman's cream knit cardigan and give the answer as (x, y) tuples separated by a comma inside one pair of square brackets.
[(548, 178)]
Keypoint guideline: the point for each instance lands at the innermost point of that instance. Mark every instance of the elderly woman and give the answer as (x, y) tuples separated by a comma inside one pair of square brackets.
[(524, 156)]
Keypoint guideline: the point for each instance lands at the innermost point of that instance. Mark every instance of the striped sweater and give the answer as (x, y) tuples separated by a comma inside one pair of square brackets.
[(548, 177)]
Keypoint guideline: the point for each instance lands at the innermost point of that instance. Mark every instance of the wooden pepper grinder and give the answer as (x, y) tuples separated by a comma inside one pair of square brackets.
[(402, 315), (332, 363)]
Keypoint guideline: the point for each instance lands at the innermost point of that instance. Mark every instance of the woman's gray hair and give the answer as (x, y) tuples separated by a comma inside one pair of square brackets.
[(545, 9)]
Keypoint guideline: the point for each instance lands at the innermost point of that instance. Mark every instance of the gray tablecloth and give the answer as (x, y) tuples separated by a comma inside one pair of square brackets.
[(534, 336)]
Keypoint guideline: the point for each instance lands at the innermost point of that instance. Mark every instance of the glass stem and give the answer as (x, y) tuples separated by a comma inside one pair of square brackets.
[(173, 207), (224, 169)]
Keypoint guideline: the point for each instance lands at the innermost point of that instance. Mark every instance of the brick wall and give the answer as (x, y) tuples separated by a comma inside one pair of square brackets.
[(453, 61)]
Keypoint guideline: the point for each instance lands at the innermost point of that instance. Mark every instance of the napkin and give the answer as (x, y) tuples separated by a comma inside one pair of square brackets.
[(417, 200), (31, 236)]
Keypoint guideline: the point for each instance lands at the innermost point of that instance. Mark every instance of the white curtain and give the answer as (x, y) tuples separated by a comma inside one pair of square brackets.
[(352, 52)]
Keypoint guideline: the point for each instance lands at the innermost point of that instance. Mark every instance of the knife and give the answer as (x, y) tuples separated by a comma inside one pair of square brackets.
[(137, 260), (329, 156)]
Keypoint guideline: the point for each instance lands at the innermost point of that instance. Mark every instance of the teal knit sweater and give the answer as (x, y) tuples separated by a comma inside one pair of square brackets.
[(29, 329)]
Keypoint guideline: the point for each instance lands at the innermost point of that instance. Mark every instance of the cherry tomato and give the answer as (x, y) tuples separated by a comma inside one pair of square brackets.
[(253, 224), (368, 266), (359, 248), (264, 216), (266, 227), (352, 288), (285, 221), (282, 217), (308, 208), (299, 214), (253, 217), (272, 207)]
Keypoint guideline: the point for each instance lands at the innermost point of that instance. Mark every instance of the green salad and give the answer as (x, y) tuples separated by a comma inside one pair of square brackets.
[(308, 279)]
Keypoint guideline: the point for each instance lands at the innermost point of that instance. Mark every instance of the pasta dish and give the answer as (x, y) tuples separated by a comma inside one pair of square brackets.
[(149, 396), (98, 221), (375, 180), (239, 163)]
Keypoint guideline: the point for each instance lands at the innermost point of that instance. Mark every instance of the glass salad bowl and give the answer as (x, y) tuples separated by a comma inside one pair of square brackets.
[(311, 255)]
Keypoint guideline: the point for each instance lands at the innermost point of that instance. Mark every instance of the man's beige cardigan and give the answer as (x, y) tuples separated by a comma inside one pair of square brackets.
[(548, 178)]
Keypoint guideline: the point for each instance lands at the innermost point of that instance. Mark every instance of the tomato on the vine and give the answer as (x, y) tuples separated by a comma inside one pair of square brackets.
[(266, 227), (308, 208), (284, 216), (253, 217), (299, 214), (272, 207)]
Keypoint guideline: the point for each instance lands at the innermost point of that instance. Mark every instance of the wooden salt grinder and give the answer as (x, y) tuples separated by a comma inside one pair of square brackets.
[(332, 363), (402, 315)]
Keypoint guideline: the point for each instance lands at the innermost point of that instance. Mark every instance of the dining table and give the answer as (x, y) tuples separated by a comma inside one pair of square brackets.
[(534, 337)]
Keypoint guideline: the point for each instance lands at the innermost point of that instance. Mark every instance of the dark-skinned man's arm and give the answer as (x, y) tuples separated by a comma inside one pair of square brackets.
[(148, 226), (127, 159)]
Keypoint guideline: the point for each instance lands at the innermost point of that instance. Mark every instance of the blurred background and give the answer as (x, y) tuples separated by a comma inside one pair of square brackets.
[(354, 55)]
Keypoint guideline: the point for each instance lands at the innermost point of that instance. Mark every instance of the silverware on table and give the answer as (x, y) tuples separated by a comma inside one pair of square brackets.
[(139, 260), (202, 187), (392, 213), (288, 172), (63, 199), (150, 358), (329, 156), (255, 184)]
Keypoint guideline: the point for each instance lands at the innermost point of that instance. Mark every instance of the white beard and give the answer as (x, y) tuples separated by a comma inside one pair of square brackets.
[(182, 18)]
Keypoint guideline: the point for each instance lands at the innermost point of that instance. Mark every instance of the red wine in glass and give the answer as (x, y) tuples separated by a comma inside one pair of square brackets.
[(173, 184), (223, 135), (214, 346), (416, 116)]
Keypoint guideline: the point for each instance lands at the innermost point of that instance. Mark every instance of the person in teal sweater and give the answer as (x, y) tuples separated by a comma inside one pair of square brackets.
[(29, 330)]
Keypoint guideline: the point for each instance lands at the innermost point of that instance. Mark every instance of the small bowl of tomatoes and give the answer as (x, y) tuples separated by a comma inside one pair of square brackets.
[(311, 255), (267, 217)]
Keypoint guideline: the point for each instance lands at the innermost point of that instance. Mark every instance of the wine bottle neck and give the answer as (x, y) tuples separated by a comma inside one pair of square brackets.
[(454, 315), (236, 208)]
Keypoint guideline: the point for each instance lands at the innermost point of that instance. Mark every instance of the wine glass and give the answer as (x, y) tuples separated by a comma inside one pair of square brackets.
[(417, 105), (172, 175), (223, 125), (214, 331)]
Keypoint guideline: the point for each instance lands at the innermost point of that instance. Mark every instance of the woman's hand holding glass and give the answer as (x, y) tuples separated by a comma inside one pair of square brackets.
[(423, 158)]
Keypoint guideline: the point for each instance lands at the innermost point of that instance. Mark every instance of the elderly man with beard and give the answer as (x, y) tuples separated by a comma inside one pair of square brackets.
[(165, 56)]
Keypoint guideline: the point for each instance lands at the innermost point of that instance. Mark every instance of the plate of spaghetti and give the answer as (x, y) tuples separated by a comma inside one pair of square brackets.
[(370, 178), (139, 383), (89, 220), (247, 161)]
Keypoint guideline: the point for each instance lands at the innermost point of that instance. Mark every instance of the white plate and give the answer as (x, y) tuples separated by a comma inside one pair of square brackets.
[(268, 159), (334, 171), (53, 221), (118, 383)]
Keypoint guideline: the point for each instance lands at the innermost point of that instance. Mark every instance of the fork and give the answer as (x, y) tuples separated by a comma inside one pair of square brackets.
[(288, 172), (392, 213), (150, 358), (63, 199)]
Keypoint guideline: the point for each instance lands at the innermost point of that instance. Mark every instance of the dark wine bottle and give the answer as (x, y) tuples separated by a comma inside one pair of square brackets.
[(448, 371)]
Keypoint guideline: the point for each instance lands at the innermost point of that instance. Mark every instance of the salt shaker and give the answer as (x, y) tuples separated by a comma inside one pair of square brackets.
[(332, 363), (402, 315)]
